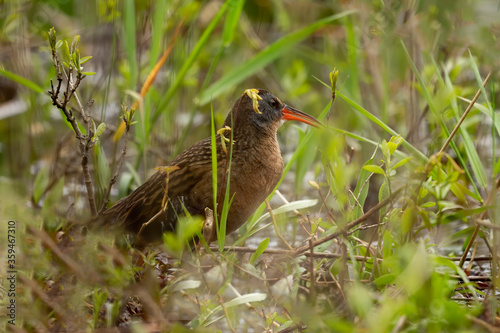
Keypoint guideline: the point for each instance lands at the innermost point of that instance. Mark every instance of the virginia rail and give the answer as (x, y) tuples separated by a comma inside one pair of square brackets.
[(256, 168)]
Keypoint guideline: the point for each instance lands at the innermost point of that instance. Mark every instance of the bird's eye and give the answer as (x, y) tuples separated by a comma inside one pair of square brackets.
[(274, 103)]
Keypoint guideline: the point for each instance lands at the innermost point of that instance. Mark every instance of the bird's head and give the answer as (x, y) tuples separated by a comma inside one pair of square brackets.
[(265, 112)]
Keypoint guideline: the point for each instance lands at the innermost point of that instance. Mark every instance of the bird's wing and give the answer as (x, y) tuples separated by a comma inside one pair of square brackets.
[(186, 170)]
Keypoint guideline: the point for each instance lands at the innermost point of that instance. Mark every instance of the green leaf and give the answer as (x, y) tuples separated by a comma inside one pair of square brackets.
[(100, 129), (99, 299), (361, 190), (401, 163), (231, 24), (387, 245), (295, 205), (21, 80), (262, 59), (385, 280), (40, 184), (386, 152), (383, 193), (187, 284), (85, 59), (463, 213), (88, 73), (413, 151), (243, 299), (260, 249), (65, 52), (392, 147), (374, 168), (74, 58), (450, 264), (407, 218), (52, 38)]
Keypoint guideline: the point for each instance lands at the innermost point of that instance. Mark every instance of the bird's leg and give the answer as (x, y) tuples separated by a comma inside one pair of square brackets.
[(208, 226), (151, 220), (167, 170)]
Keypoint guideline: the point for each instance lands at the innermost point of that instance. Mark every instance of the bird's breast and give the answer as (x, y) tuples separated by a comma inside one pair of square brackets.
[(255, 171)]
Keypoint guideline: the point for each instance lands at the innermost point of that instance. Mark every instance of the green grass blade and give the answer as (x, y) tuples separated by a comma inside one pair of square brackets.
[(189, 61), (361, 190), (260, 249), (214, 168), (22, 81), (130, 47), (157, 31), (422, 85), (479, 81), (270, 53), (432, 107), (470, 149), (251, 227), (230, 26), (353, 48), (363, 139), (412, 150), (232, 19), (484, 110), (227, 203)]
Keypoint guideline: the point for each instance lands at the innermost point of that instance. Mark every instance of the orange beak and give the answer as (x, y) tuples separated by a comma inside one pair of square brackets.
[(290, 113)]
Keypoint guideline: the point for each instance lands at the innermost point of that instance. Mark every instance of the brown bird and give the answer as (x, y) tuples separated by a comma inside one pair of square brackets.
[(256, 168)]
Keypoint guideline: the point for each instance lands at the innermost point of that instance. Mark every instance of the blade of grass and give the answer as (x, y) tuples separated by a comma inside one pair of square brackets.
[(470, 149), (230, 26), (130, 46), (479, 81), (233, 17), (430, 102), (486, 111), (363, 139), (149, 80), (242, 299), (157, 31), (22, 81), (361, 189), (414, 151), (295, 205), (260, 249), (189, 62), (269, 54), (214, 168), (422, 85), (352, 56), (227, 203)]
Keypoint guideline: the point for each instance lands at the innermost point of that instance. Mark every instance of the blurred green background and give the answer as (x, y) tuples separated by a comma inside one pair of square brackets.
[(405, 67)]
